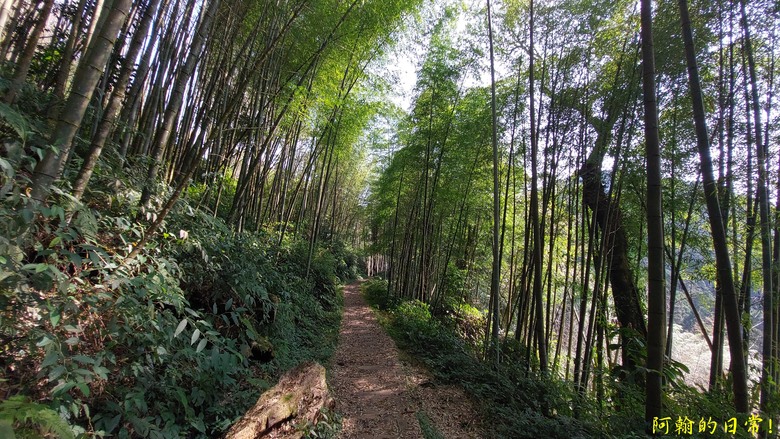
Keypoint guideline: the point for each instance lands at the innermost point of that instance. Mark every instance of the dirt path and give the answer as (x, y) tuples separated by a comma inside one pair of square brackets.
[(378, 395)]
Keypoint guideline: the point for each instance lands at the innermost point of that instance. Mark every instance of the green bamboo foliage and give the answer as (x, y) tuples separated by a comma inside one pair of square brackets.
[(585, 135), (525, 211)]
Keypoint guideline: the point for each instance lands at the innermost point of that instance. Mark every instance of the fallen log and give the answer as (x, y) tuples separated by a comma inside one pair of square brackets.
[(297, 400)]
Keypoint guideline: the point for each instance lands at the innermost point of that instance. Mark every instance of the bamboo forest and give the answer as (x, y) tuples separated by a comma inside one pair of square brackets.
[(389, 219)]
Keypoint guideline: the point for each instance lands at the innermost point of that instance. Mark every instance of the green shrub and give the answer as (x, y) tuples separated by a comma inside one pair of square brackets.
[(349, 266), (519, 403), (21, 418), (414, 319), (376, 293), (328, 427), (163, 346), (468, 322), (516, 402), (205, 192)]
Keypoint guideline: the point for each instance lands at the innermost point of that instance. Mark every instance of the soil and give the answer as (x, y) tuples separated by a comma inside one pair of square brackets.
[(379, 395)]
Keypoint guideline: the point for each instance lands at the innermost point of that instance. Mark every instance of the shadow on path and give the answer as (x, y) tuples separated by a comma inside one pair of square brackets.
[(378, 395)]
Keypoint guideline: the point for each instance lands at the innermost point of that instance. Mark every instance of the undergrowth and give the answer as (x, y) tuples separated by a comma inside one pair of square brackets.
[(328, 427), (512, 400), (516, 401), (178, 342)]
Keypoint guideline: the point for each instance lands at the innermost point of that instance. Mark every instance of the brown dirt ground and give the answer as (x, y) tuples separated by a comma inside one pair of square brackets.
[(378, 395)]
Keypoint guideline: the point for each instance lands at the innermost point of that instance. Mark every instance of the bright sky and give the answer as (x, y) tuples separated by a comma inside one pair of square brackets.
[(404, 59)]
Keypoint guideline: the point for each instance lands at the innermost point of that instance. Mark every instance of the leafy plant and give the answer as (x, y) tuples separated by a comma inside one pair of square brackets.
[(376, 293), (515, 401), (147, 348), (328, 426), (21, 418)]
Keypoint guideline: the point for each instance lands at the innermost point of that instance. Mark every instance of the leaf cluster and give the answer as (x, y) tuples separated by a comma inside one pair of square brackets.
[(179, 341)]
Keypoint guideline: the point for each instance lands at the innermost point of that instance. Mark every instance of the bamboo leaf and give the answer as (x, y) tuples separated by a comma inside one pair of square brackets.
[(180, 328)]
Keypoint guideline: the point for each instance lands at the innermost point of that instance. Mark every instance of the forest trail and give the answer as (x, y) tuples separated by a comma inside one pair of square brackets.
[(380, 396)]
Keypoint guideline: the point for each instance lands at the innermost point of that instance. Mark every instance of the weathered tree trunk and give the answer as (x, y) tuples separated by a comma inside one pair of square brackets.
[(624, 290), (298, 398)]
